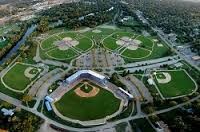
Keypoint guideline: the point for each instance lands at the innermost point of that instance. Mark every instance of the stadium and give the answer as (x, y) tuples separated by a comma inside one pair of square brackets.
[(84, 91)]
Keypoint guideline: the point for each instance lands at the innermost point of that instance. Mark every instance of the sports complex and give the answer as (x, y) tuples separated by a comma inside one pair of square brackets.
[(68, 45), (87, 98), (71, 75), (65, 45), (20, 76), (173, 83)]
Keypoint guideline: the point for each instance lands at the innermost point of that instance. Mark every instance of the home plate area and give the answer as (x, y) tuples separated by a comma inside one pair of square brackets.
[(86, 90)]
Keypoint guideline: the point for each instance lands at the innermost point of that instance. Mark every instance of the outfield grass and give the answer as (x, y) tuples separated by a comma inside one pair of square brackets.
[(61, 54), (49, 42), (119, 35), (157, 52), (181, 84), (98, 36), (75, 107), (145, 41), (15, 77), (139, 53), (110, 43), (68, 34), (84, 44)]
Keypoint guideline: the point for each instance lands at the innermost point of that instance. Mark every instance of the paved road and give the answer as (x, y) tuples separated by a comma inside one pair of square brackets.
[(48, 62), (108, 125), (153, 65), (10, 100), (149, 62), (142, 88)]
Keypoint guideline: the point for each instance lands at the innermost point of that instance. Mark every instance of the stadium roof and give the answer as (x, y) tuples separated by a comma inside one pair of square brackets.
[(74, 76)]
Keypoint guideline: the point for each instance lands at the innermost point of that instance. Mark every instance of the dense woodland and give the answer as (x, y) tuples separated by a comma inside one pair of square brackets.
[(75, 15), (21, 121), (173, 16), (13, 37)]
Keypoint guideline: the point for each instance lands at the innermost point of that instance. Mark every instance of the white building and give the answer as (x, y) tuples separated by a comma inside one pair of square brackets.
[(2, 39), (48, 106), (7, 112), (130, 96), (86, 74), (150, 81)]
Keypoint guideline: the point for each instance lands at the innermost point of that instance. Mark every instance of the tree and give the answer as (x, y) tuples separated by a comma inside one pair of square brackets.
[(43, 25), (27, 98), (154, 118), (149, 109), (5, 104), (178, 122), (172, 103)]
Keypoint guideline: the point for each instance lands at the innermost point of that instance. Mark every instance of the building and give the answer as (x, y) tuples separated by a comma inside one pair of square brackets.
[(172, 37), (2, 39), (130, 96), (7, 112), (150, 81), (196, 58), (86, 74), (179, 64), (161, 127), (48, 106), (49, 99)]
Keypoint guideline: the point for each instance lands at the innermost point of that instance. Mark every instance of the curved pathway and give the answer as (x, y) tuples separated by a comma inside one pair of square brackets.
[(107, 125)]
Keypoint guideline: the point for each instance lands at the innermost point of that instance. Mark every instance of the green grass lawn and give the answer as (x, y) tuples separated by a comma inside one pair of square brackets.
[(119, 35), (15, 77), (110, 43), (181, 84), (84, 44), (98, 36), (156, 53), (61, 54), (49, 42), (68, 34), (141, 124), (139, 53), (145, 41), (131, 22), (3, 44), (75, 107)]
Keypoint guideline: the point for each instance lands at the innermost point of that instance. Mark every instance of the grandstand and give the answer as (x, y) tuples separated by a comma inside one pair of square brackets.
[(92, 76), (86, 74), (75, 79)]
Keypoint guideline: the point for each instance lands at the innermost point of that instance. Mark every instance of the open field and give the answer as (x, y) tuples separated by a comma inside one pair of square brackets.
[(68, 34), (174, 83), (64, 46), (20, 76), (84, 44), (61, 55), (139, 54), (49, 42), (88, 108), (129, 45)]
